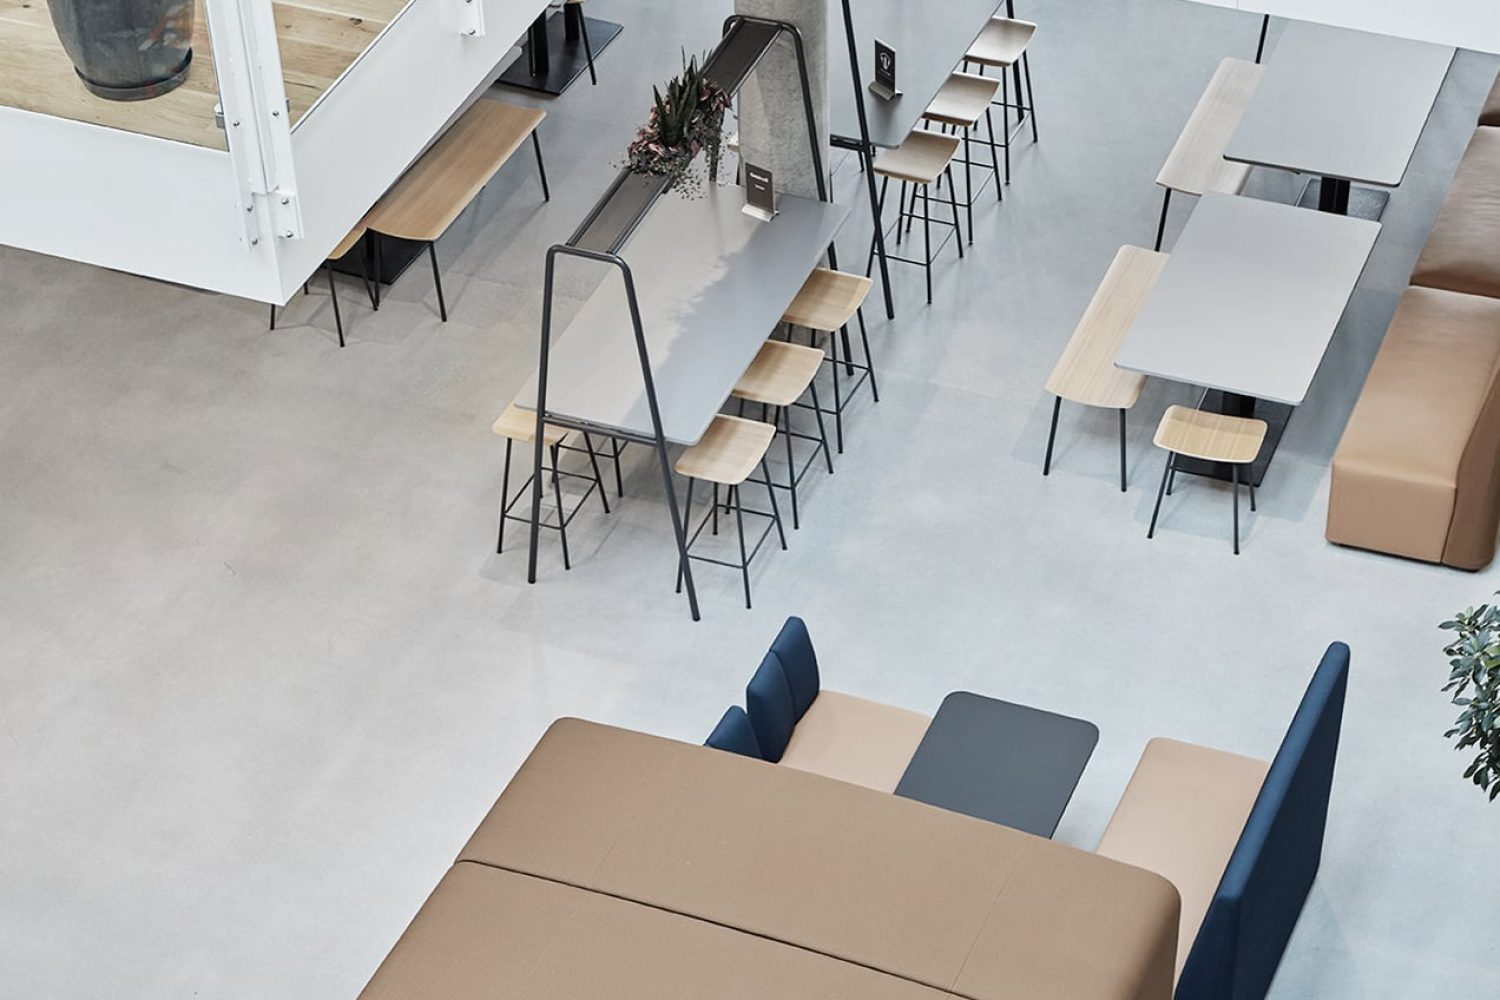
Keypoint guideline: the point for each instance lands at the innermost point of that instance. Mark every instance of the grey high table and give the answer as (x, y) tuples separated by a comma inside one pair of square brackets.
[(1247, 304), (711, 285), (1342, 105), (1000, 762), (930, 41)]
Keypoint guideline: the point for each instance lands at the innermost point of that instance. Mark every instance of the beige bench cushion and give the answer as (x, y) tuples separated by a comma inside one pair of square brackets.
[(854, 740), (487, 934), (1490, 113), (1086, 372), (1196, 164), (1460, 254), (1396, 470), (1181, 816), (881, 881)]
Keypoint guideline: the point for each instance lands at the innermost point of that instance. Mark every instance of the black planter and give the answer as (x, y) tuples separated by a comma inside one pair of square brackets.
[(127, 50)]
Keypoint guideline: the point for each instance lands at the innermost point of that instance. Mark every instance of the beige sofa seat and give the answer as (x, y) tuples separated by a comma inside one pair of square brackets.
[(851, 739), (1460, 253), (1489, 114), (1415, 472), (1181, 816)]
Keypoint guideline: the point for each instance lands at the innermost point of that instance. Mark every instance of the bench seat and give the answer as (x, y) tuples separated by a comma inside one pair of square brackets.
[(1489, 114), (1460, 254), (1196, 164), (855, 740), (1181, 816), (1415, 472)]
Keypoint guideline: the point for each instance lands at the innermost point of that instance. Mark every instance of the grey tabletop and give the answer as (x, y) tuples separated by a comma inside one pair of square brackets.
[(712, 284), (1001, 762), (1339, 103), (1249, 297), (930, 40)]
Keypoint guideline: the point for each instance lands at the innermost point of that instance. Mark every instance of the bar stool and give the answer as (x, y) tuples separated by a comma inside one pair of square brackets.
[(918, 162), (1002, 44), (519, 426), (960, 104), (826, 302), (729, 451), (776, 379), (347, 244), (1211, 437)]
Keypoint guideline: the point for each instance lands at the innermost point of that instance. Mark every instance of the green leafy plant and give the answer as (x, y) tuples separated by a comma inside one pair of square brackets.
[(685, 121), (1474, 679)]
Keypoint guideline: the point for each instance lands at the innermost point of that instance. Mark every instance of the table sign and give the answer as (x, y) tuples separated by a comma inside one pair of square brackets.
[(884, 86), (760, 193)]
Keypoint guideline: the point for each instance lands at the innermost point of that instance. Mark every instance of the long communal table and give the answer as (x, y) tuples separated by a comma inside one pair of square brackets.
[(1246, 305)]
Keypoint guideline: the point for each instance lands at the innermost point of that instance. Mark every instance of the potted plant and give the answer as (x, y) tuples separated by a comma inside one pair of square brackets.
[(686, 121), (126, 50), (1474, 680)]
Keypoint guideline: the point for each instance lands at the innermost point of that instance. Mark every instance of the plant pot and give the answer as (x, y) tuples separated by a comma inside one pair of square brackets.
[(126, 50)]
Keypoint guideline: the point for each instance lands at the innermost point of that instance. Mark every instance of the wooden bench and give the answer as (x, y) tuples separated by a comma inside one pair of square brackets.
[(1196, 164), (440, 185), (1086, 372)]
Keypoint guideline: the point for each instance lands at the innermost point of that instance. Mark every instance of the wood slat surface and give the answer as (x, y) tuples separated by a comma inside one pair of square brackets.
[(1213, 437), (1196, 164), (780, 374), (728, 452), (1086, 372), (318, 40), (827, 300)]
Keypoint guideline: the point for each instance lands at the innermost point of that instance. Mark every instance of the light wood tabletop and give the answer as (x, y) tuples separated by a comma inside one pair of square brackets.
[(435, 189)]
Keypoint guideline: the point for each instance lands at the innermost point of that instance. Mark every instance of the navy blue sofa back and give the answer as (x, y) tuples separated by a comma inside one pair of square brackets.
[(735, 734), (1272, 868)]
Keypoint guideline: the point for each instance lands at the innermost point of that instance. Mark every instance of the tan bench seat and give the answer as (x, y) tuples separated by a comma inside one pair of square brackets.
[(1181, 816), (1461, 252), (855, 740), (1415, 472), (1489, 114)]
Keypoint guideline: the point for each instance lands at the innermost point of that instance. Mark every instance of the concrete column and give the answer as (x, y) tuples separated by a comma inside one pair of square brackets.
[(773, 125)]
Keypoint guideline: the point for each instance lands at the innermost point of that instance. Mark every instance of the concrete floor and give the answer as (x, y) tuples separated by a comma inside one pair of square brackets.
[(262, 675)]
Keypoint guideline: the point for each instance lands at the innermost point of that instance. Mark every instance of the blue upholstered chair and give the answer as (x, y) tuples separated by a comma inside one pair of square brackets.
[(734, 734), (794, 648), (771, 707), (1272, 868)]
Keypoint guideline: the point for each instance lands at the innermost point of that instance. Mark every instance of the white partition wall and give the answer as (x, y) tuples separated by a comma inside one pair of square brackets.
[(257, 220), (1465, 24)]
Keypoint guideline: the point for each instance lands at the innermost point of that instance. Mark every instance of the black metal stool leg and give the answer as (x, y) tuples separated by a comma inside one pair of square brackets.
[(885, 183), (333, 294), (1250, 478), (1171, 460), (1030, 93), (838, 395), (562, 519), (1005, 119), (958, 229), (989, 123), (1161, 227), (504, 497), (775, 510), (687, 526), (716, 509), (619, 481), (969, 183), (739, 524), (926, 237), (1234, 479), (785, 416), (1051, 436), (817, 408), (375, 242), (541, 168), (588, 47), (864, 339), (364, 274), (437, 281), (588, 442), (1122, 450)]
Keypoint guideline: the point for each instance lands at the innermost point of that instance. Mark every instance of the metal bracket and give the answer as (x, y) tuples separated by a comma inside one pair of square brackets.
[(285, 211), (471, 17)]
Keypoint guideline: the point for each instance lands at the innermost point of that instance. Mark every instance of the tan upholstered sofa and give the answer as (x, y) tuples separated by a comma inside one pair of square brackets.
[(618, 865), (1417, 473)]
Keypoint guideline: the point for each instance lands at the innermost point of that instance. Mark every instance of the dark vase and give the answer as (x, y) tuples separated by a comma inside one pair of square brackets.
[(126, 50)]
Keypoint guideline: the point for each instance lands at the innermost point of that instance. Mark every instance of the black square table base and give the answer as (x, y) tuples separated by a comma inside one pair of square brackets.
[(565, 60)]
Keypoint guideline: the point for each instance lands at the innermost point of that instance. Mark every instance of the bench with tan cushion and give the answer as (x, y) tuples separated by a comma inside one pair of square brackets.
[(856, 740), (1489, 114), (1460, 254), (1415, 474)]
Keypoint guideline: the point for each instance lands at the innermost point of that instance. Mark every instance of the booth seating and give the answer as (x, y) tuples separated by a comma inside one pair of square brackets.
[(434, 190), (1240, 839), (625, 866), (1196, 164), (791, 720), (1489, 113), (1416, 472)]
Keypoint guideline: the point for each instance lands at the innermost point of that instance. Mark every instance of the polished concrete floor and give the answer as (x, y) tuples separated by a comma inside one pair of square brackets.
[(261, 672)]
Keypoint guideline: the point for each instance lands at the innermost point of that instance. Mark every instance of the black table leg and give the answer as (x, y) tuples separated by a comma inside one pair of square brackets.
[(557, 50), (538, 57), (1340, 197)]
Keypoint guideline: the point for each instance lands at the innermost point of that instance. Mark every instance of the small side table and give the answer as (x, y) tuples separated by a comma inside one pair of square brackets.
[(1001, 762)]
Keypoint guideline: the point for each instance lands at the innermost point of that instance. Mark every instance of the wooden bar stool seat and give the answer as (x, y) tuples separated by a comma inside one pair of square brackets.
[(962, 103), (440, 185), (825, 303), (1002, 45), (1086, 373), (729, 451), (779, 376), (917, 163), (1210, 437), (518, 426)]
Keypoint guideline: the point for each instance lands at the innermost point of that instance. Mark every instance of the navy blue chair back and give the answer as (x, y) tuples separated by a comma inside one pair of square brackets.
[(773, 714), (1272, 868), (794, 648), (735, 734)]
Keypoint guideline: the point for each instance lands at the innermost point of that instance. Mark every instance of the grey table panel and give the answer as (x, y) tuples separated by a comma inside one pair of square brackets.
[(1249, 298), (930, 38), (1339, 103), (1000, 762), (712, 284)]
